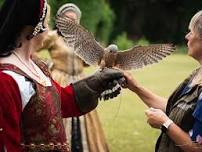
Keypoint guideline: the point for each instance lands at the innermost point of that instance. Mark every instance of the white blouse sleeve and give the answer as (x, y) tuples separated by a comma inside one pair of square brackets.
[(25, 87)]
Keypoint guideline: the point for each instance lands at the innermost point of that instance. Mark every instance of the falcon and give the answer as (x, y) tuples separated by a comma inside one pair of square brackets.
[(89, 50)]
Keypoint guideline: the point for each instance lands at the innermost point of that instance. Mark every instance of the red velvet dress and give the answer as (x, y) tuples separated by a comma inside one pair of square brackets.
[(37, 127)]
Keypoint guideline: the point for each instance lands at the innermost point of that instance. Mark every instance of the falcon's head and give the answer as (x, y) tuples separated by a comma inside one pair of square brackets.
[(112, 48)]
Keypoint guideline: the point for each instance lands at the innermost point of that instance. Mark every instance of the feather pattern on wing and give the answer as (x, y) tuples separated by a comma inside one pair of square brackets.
[(140, 56), (82, 41)]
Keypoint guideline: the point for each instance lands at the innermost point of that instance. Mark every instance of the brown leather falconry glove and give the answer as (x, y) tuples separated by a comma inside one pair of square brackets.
[(88, 90)]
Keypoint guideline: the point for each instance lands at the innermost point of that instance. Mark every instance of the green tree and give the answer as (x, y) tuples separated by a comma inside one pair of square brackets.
[(105, 24), (1, 2), (156, 20)]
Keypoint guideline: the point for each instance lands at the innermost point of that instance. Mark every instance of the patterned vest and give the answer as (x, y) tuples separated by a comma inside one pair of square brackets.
[(41, 123), (180, 109)]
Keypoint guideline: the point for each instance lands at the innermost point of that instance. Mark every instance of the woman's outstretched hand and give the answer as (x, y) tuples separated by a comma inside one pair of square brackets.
[(130, 81)]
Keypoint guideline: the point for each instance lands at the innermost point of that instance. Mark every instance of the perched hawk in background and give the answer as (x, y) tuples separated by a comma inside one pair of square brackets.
[(88, 49)]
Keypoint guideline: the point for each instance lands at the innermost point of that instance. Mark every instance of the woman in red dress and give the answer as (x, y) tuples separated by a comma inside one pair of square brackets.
[(32, 104)]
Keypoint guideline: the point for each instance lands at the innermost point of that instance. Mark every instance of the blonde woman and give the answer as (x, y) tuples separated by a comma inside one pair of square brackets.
[(180, 116)]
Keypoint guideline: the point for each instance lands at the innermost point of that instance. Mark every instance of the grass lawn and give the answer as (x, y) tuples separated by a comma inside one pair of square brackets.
[(123, 118)]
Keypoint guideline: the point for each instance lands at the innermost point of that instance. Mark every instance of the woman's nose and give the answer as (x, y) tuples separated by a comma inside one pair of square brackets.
[(187, 36)]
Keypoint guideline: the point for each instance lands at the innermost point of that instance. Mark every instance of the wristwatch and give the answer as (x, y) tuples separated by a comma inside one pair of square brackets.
[(165, 125)]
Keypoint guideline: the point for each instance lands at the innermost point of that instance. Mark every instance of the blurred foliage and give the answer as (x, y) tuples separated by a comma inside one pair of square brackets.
[(156, 20), (181, 49), (123, 42), (1, 2), (143, 41), (105, 25)]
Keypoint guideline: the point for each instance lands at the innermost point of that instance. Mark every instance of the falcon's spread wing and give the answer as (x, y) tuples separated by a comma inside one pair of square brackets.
[(83, 42), (140, 56)]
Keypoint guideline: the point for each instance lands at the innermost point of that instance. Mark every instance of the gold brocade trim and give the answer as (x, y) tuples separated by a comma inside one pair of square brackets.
[(65, 147)]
